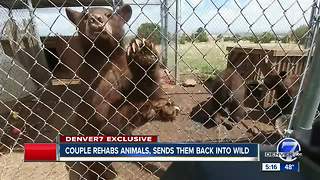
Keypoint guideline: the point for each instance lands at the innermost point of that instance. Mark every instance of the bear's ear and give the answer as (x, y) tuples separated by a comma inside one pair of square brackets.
[(73, 15), (125, 12)]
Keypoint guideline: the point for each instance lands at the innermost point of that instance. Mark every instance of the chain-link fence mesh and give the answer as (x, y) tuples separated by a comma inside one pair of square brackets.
[(232, 68)]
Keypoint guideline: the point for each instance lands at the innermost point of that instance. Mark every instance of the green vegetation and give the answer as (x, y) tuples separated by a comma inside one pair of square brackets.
[(234, 38), (184, 38), (286, 39), (298, 36), (200, 35), (150, 31), (267, 37)]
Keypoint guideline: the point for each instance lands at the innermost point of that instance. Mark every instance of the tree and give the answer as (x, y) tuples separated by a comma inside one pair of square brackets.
[(234, 38), (250, 38), (300, 34), (237, 37), (286, 39), (229, 38), (150, 31), (184, 38), (188, 38), (200, 35), (220, 37), (267, 37)]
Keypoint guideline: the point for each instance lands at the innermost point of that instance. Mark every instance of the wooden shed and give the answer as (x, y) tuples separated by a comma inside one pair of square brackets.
[(254, 63), (63, 54)]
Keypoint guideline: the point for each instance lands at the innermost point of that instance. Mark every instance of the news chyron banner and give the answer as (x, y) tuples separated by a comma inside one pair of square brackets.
[(137, 148)]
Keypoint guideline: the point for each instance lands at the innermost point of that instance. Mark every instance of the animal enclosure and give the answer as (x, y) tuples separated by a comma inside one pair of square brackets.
[(255, 52), (255, 63)]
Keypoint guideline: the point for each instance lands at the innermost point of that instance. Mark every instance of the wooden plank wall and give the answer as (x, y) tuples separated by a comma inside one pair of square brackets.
[(254, 60)]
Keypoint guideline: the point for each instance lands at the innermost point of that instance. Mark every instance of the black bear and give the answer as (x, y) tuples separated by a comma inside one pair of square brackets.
[(286, 89), (119, 87), (228, 94)]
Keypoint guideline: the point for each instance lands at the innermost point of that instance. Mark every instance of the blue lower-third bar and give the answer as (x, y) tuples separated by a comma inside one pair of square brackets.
[(158, 152)]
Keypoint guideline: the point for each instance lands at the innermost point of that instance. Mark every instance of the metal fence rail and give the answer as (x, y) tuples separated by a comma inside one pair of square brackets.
[(233, 69)]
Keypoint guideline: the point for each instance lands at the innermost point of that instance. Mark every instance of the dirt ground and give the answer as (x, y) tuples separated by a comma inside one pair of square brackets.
[(183, 129)]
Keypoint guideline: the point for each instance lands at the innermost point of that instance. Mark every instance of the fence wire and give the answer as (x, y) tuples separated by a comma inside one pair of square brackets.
[(187, 70)]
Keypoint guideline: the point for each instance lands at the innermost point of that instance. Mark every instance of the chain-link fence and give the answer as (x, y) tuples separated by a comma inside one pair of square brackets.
[(187, 70)]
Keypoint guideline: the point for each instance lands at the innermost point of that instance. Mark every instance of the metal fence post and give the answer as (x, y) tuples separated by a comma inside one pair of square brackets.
[(310, 97), (311, 44), (176, 69), (164, 29), (314, 12)]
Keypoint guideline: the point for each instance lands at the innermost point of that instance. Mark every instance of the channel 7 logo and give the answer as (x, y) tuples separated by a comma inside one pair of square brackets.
[(288, 149)]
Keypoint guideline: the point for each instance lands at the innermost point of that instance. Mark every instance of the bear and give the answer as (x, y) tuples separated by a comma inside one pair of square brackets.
[(227, 96), (286, 88), (119, 87)]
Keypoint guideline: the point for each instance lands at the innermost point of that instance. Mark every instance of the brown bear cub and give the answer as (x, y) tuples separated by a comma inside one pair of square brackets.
[(119, 87), (286, 89), (228, 94)]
